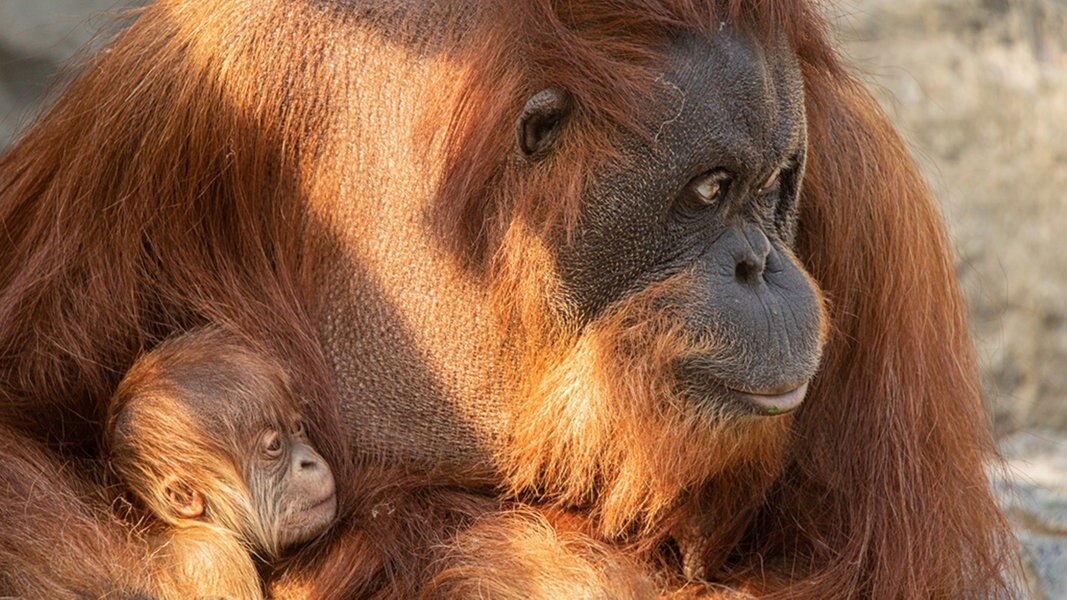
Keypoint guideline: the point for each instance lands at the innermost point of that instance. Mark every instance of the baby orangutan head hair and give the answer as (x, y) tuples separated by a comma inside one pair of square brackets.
[(204, 430)]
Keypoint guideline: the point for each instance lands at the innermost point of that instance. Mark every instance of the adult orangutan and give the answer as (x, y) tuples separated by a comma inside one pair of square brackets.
[(551, 273)]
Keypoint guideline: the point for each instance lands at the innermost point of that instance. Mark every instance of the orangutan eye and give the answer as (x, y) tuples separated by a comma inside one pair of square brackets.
[(710, 187), (300, 429), (771, 181), (272, 444)]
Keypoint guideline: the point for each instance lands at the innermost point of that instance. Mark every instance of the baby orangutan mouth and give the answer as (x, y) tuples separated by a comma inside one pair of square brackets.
[(311, 519)]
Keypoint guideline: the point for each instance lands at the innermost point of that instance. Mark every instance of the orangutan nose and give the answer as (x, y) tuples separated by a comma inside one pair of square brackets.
[(749, 248)]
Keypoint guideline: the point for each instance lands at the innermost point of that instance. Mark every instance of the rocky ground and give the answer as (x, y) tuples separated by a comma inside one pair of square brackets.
[(1034, 493), (979, 88)]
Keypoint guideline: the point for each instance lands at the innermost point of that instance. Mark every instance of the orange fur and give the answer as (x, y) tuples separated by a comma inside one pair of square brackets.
[(170, 187), (57, 534), (882, 467), (520, 555), (189, 417), (200, 561), (190, 410), (398, 528), (603, 425)]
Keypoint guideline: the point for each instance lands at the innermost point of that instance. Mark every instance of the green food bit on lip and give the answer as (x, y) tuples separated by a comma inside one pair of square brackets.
[(773, 410)]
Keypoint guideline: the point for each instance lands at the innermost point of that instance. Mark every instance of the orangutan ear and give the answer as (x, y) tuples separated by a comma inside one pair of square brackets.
[(186, 502), (541, 121)]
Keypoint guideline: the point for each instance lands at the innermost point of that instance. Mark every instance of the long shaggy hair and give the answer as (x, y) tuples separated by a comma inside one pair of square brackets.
[(177, 203), (168, 187), (605, 426), (519, 554), (882, 467), (199, 559), (59, 537)]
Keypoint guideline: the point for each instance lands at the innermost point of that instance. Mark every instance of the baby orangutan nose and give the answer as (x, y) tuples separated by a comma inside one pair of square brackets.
[(312, 482)]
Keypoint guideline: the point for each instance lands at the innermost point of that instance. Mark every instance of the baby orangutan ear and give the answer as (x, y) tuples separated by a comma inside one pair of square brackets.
[(186, 502)]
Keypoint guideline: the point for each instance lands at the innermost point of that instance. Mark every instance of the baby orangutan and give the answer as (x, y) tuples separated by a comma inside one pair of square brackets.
[(208, 437)]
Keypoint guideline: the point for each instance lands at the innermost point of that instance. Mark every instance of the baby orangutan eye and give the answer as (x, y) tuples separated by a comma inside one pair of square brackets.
[(300, 429), (272, 444), (710, 187)]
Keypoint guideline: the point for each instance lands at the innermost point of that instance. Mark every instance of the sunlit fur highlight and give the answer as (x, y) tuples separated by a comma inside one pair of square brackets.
[(521, 555), (605, 425), (202, 560), (146, 458), (134, 209)]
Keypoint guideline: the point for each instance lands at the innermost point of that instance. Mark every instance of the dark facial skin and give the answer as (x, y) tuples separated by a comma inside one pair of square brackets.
[(715, 197), (292, 485)]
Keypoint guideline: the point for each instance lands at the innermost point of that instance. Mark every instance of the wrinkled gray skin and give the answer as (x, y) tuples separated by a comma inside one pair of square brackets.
[(420, 365), (735, 110)]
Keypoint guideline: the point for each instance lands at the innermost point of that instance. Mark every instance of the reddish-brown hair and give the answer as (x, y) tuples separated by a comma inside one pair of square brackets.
[(145, 202), (883, 491), (165, 189), (190, 412), (59, 538)]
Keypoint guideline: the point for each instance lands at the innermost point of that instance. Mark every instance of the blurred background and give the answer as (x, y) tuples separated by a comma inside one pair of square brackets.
[(979, 90)]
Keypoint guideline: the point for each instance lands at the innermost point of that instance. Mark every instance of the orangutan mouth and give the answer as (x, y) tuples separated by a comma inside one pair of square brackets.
[(773, 402)]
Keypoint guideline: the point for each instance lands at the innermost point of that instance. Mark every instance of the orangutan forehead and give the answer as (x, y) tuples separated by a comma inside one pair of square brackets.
[(617, 61), (216, 382), (223, 415), (561, 26), (729, 95), (640, 17), (245, 406)]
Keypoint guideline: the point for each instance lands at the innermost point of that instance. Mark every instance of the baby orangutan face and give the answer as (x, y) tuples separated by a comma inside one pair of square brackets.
[(290, 489), (206, 430), (295, 486)]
